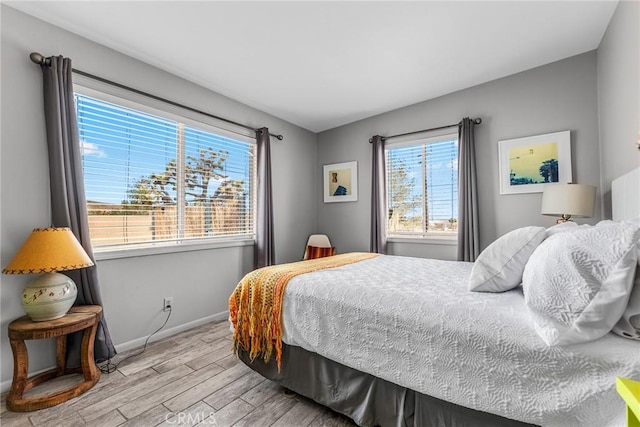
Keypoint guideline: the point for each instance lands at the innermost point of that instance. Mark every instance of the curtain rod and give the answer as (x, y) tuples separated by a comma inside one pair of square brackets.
[(475, 121), (39, 59)]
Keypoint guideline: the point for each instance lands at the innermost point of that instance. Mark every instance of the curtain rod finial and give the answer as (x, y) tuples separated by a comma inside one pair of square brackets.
[(477, 121), (37, 58)]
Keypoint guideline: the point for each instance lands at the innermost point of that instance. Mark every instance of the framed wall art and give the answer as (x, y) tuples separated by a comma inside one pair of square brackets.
[(340, 182), (528, 164)]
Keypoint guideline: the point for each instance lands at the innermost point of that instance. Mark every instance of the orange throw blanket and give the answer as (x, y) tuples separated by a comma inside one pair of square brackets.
[(255, 307)]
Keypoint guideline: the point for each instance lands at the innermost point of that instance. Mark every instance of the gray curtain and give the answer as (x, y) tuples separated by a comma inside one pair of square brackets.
[(378, 197), (264, 249), (468, 240), (68, 201)]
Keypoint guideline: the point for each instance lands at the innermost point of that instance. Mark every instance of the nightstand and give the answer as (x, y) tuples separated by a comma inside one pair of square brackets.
[(630, 392), (81, 318)]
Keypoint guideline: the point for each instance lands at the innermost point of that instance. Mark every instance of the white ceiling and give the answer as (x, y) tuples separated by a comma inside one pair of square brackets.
[(324, 64)]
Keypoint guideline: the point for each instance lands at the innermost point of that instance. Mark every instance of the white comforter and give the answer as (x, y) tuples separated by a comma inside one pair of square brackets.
[(413, 322)]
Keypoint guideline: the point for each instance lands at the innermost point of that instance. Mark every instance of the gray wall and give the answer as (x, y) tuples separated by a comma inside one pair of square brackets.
[(133, 288), (555, 97), (619, 96)]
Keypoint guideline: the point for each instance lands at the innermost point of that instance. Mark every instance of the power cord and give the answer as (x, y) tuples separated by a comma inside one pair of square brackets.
[(108, 367)]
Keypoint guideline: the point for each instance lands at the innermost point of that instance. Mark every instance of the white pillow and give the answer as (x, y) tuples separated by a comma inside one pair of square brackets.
[(499, 267), (576, 285), (629, 324), (564, 227)]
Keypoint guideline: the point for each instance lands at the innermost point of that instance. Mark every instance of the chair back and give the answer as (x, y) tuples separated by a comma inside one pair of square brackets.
[(318, 241)]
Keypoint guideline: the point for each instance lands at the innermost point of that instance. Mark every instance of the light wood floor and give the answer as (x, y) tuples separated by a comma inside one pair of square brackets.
[(188, 379)]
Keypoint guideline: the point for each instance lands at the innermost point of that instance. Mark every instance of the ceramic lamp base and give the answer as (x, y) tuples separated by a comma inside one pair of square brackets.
[(49, 296)]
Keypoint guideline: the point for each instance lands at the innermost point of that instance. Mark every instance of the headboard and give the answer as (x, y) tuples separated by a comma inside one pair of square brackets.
[(625, 196)]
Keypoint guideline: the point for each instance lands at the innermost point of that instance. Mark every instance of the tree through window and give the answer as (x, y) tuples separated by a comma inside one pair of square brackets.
[(151, 178), (422, 187)]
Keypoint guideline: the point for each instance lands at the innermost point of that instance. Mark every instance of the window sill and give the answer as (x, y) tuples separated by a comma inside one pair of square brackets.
[(169, 248), (430, 240)]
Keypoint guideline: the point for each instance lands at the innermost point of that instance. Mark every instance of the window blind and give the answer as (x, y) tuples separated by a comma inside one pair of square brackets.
[(152, 179), (422, 187)]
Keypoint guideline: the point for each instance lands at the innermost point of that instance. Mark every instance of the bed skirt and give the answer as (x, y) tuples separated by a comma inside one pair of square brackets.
[(368, 400)]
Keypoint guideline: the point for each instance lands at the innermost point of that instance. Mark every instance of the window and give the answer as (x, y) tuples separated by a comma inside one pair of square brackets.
[(152, 177), (422, 187)]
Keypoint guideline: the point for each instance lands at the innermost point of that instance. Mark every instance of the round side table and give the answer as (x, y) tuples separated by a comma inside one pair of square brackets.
[(80, 318)]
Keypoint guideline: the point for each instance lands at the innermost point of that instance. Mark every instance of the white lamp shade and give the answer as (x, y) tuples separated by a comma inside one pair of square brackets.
[(569, 199)]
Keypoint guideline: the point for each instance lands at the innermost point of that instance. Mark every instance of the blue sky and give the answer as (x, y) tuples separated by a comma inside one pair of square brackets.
[(442, 171), (121, 145)]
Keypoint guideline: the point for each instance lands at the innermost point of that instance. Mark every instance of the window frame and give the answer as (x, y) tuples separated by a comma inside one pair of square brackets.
[(113, 94), (433, 237)]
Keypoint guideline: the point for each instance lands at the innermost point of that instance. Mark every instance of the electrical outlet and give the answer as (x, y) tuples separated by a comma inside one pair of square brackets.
[(168, 304)]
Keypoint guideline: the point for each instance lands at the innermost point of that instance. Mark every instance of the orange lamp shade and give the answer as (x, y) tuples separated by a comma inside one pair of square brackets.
[(47, 250)]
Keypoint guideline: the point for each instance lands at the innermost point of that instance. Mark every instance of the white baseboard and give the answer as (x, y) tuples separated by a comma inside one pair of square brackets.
[(139, 342)]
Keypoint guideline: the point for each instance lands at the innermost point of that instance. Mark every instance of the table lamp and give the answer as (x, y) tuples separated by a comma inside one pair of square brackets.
[(49, 250), (567, 200)]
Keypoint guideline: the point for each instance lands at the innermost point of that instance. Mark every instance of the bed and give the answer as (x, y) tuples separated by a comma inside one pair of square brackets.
[(395, 341)]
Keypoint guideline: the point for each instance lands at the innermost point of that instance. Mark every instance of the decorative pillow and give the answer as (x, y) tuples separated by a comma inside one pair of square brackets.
[(314, 252), (629, 324), (500, 266), (564, 227), (561, 228), (577, 285)]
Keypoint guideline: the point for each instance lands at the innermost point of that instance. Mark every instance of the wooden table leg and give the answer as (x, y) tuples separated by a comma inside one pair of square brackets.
[(20, 371), (21, 383), (87, 362), (61, 354)]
